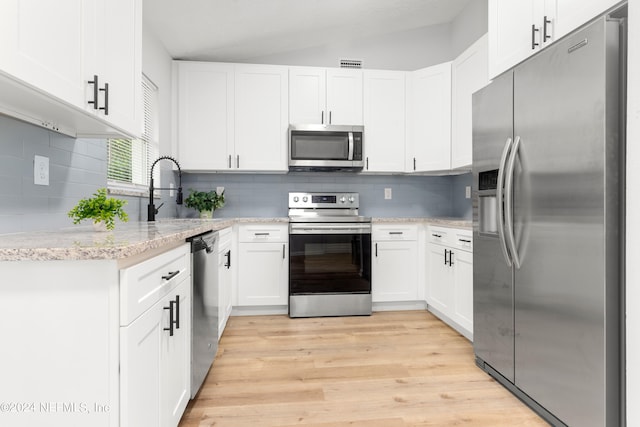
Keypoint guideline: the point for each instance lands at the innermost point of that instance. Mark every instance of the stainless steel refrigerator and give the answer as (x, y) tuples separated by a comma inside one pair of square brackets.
[(548, 154)]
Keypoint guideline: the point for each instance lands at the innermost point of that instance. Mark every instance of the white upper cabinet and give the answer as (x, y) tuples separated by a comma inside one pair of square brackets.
[(325, 96), (518, 29), (307, 95), (344, 96), (469, 74), (384, 121), (429, 119), (120, 37), (261, 117), (54, 49), (49, 45), (205, 117)]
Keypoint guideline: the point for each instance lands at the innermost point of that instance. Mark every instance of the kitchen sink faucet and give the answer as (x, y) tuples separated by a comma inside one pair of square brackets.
[(151, 208)]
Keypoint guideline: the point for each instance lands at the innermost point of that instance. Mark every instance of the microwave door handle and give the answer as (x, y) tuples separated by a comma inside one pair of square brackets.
[(350, 146)]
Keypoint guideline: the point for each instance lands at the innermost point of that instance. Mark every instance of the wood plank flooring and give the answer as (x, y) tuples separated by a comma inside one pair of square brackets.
[(392, 369)]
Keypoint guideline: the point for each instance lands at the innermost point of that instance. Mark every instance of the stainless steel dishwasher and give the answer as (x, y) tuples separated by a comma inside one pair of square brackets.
[(204, 310)]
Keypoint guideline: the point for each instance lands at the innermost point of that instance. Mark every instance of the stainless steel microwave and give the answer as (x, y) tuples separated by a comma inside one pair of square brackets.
[(325, 147)]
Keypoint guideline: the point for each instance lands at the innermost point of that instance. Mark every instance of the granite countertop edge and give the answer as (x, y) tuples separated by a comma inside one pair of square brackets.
[(130, 239)]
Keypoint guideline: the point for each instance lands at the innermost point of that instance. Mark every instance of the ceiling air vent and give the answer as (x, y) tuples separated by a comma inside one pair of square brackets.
[(350, 63)]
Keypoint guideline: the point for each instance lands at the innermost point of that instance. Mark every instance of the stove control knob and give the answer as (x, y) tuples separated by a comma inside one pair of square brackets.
[(343, 199), (352, 199), (305, 199), (296, 199)]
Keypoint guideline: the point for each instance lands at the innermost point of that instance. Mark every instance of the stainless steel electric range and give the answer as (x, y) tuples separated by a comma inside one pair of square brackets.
[(330, 256)]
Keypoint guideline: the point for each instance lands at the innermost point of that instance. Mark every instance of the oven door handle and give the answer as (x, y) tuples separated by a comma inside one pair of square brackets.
[(330, 229)]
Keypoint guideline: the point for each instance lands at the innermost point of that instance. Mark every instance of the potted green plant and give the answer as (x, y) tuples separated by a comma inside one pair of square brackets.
[(205, 202), (101, 209)]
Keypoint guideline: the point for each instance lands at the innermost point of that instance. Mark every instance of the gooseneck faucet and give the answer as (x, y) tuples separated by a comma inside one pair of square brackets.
[(151, 208)]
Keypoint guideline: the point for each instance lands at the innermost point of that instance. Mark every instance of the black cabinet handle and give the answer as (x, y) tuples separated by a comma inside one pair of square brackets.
[(533, 37), (450, 258), (445, 256), (545, 33), (170, 308), (329, 116), (238, 161), (465, 240), (105, 89), (322, 117), (396, 232), (94, 82), (177, 311), (414, 163), (437, 235), (376, 250), (284, 247), (171, 275), (229, 161), (228, 255), (367, 163)]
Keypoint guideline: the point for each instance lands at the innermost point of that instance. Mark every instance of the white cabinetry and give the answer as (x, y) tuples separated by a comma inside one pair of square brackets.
[(325, 96), (263, 265), (225, 284), (384, 120), (519, 29), (58, 47), (429, 119), (469, 74), (450, 277), (231, 117), (261, 117), (394, 269), (205, 113), (155, 333)]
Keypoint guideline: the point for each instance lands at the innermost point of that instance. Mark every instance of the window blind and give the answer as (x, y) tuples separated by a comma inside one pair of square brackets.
[(129, 160)]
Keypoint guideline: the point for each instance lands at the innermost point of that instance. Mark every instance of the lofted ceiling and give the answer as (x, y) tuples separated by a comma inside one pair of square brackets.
[(235, 30)]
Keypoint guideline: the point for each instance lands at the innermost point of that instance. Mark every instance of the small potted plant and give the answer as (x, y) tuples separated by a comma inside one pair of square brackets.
[(205, 202), (101, 209)]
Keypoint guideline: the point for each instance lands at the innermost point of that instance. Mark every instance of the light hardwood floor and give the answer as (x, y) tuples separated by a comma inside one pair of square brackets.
[(391, 369)]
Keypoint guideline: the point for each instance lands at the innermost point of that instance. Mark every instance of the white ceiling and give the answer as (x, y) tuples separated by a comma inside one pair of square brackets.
[(234, 30)]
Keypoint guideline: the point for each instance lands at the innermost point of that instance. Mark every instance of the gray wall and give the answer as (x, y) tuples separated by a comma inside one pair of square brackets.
[(266, 195), (469, 26)]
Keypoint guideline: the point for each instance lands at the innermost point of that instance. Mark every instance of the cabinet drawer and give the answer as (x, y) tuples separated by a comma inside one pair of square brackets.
[(143, 284), (224, 236), (392, 232), (263, 233), (463, 240), (452, 237)]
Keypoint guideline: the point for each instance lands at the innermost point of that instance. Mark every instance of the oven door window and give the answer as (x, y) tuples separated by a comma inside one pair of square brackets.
[(329, 264)]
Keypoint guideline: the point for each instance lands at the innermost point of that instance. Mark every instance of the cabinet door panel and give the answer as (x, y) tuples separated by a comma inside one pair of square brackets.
[(48, 44), (440, 286), (263, 274), (463, 265), (384, 99), (121, 62), (205, 115), (344, 96), (307, 95), (429, 119), (394, 271), (262, 117), (469, 74), (509, 33), (175, 356), (140, 369)]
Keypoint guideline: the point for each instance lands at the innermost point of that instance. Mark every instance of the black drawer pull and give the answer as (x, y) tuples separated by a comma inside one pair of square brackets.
[(396, 232), (437, 235), (171, 322), (171, 275), (465, 240)]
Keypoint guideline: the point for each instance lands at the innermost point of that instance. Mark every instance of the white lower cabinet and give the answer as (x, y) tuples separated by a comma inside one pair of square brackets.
[(263, 265), (394, 269), (155, 350), (225, 279), (450, 277)]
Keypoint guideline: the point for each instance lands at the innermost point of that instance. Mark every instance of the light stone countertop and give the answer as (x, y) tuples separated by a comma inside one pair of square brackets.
[(134, 238), (441, 221)]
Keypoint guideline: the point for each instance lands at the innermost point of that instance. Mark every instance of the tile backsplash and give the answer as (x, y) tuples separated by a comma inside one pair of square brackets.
[(78, 167)]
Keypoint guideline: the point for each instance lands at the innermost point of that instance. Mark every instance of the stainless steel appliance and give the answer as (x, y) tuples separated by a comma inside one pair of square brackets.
[(329, 256), (325, 147), (204, 309), (548, 147)]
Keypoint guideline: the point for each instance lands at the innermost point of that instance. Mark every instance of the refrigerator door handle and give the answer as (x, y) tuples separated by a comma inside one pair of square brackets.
[(508, 190), (499, 199)]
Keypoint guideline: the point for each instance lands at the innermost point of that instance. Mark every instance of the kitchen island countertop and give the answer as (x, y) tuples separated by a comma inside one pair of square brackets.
[(135, 238)]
